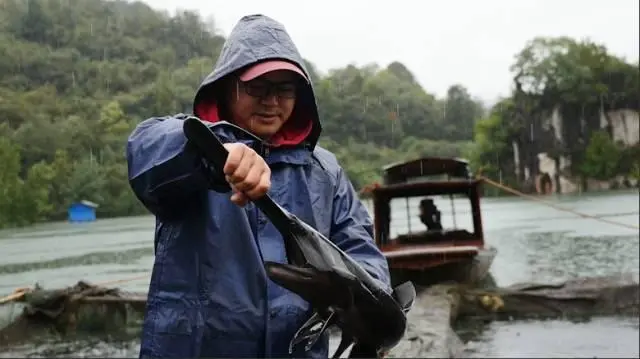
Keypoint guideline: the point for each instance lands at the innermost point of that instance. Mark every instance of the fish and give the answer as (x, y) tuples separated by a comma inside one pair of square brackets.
[(341, 292)]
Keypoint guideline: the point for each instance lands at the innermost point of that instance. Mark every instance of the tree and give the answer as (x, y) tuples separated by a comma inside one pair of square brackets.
[(460, 113), (601, 157)]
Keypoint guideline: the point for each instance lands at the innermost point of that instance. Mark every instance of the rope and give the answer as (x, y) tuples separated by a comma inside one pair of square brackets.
[(552, 205), (21, 292)]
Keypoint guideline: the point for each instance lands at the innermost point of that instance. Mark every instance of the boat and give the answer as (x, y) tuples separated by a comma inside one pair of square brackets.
[(431, 254)]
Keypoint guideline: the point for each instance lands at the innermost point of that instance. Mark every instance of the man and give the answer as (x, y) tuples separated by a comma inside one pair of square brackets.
[(209, 295)]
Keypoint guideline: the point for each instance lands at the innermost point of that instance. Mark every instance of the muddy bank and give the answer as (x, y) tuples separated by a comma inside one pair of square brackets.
[(102, 311), (430, 333)]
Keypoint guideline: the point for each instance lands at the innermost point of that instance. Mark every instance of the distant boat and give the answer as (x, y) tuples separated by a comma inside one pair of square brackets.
[(431, 255)]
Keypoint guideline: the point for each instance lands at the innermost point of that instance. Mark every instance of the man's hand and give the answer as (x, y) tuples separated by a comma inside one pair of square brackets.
[(247, 173)]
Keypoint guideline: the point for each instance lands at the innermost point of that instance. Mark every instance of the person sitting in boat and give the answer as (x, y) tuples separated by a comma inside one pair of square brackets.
[(430, 215)]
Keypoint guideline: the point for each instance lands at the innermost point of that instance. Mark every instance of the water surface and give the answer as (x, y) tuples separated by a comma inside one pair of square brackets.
[(535, 243)]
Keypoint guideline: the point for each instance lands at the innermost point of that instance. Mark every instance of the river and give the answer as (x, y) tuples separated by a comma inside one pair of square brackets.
[(534, 242)]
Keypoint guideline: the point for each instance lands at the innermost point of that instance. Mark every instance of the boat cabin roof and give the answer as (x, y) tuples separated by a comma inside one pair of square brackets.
[(426, 176), (404, 172), (431, 188)]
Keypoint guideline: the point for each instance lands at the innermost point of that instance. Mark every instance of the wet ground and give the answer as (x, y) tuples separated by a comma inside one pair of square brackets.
[(535, 243)]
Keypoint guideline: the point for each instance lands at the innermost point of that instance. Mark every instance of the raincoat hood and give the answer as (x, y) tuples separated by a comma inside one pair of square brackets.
[(257, 38)]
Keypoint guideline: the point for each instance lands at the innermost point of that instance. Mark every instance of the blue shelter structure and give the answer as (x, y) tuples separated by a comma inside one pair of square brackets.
[(83, 211)]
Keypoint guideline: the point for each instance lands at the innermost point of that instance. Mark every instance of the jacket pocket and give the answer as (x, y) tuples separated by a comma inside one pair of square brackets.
[(168, 345), (171, 331), (227, 347)]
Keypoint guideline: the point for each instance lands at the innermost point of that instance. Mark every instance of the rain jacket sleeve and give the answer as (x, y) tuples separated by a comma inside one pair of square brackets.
[(164, 172), (352, 230)]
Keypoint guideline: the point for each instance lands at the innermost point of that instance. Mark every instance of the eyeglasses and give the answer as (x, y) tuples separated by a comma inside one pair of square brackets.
[(262, 88)]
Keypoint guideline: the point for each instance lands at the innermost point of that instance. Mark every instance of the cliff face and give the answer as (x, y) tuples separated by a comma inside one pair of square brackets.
[(570, 123), (624, 126), (543, 159)]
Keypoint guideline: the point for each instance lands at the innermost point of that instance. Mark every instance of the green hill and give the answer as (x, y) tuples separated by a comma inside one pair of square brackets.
[(77, 76)]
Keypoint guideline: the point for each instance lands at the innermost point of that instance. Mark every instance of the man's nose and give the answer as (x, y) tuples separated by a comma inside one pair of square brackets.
[(270, 100)]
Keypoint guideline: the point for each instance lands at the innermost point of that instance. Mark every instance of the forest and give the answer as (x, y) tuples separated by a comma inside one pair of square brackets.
[(77, 76)]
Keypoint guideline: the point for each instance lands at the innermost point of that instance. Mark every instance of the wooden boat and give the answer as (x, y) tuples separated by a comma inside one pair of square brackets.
[(428, 256)]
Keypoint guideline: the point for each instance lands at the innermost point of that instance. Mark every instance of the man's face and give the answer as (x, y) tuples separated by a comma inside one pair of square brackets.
[(265, 103)]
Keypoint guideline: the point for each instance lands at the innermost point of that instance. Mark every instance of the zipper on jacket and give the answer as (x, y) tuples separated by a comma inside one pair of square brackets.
[(253, 214), (267, 307), (264, 152)]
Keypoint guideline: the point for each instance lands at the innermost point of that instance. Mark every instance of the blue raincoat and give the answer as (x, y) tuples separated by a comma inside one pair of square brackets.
[(209, 295)]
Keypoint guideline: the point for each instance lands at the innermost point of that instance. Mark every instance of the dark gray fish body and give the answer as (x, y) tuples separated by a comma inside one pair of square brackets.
[(340, 291)]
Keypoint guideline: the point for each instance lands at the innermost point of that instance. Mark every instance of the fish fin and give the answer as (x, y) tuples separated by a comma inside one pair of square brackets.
[(308, 333), (345, 342), (405, 296)]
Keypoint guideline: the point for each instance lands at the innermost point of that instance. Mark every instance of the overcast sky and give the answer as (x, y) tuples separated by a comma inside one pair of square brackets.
[(441, 42)]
